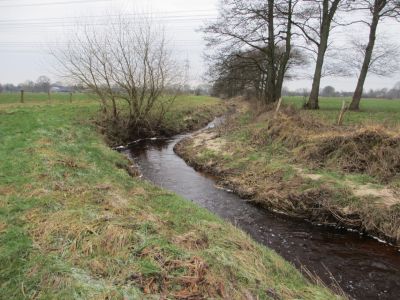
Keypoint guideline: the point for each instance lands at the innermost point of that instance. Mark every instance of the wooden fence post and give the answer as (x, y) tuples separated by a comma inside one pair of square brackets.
[(48, 93), (22, 96), (70, 97), (341, 114), (278, 106)]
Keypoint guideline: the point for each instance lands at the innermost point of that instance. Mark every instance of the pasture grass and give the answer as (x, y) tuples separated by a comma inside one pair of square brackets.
[(30, 97), (372, 111), (73, 225)]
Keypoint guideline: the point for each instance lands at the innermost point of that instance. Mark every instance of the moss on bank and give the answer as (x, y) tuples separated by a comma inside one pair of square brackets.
[(74, 226)]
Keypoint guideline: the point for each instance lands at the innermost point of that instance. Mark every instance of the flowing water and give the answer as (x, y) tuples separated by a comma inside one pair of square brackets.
[(361, 266)]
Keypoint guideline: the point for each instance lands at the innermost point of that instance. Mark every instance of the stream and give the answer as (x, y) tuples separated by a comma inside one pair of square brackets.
[(363, 267)]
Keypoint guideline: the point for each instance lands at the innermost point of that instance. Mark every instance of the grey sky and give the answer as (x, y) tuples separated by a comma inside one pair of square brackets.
[(28, 27)]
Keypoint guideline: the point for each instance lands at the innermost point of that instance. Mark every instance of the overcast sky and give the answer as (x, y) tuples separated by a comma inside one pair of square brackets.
[(29, 27)]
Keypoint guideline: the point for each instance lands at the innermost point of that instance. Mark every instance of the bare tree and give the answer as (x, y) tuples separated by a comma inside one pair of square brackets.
[(314, 20), (239, 72), (43, 84), (328, 91), (129, 66), (394, 93), (384, 60), (377, 10), (258, 26), (27, 86), (245, 72)]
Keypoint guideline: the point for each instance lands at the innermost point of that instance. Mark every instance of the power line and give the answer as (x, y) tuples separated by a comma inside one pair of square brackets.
[(173, 20), (44, 47), (149, 14), (59, 31), (38, 51), (53, 3), (7, 44), (106, 20), (100, 23)]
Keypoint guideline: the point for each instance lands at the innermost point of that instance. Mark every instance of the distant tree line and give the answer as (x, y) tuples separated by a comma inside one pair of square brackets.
[(330, 91), (256, 45), (38, 87), (42, 85)]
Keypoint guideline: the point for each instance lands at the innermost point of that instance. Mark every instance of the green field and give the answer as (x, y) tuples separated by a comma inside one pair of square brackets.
[(371, 110), (41, 97), (73, 225)]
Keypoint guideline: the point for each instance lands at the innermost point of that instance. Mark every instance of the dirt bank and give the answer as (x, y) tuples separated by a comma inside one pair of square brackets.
[(302, 167)]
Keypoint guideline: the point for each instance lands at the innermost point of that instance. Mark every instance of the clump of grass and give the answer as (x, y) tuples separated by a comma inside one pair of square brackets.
[(192, 240), (288, 127), (371, 151)]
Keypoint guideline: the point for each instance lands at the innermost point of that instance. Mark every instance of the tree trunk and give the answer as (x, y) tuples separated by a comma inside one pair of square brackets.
[(115, 111), (327, 17), (285, 58), (281, 76), (271, 74), (313, 102), (355, 103)]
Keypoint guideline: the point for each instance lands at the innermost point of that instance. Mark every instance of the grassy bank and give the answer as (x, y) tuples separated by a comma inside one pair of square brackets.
[(299, 163), (73, 225)]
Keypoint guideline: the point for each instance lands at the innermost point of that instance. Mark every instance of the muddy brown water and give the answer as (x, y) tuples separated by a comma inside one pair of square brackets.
[(363, 267)]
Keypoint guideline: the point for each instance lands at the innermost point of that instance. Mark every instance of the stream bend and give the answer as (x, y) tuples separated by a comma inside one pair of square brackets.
[(361, 266)]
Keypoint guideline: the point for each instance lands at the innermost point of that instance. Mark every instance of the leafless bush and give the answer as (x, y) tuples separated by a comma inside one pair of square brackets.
[(129, 67)]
